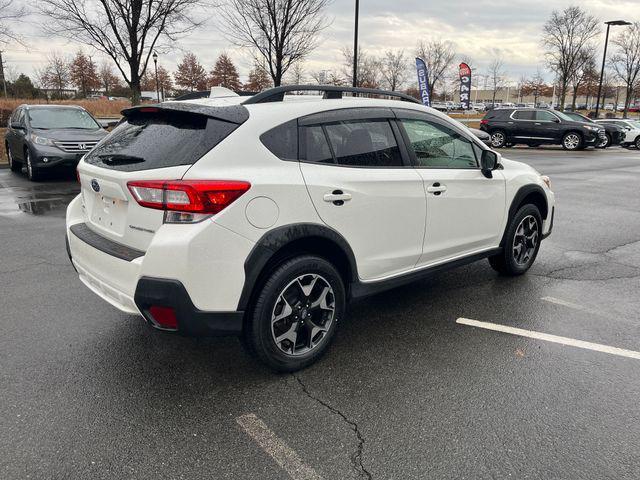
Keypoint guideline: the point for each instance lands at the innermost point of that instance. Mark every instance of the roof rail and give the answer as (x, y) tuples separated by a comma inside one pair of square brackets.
[(330, 92)]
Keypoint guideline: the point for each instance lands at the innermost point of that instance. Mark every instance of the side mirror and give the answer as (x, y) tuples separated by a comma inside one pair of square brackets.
[(488, 162), (556, 120)]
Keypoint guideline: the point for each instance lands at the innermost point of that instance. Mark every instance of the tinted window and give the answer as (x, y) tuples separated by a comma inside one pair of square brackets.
[(282, 141), (438, 146), (524, 114), (159, 139), (368, 143), (543, 116), (317, 147)]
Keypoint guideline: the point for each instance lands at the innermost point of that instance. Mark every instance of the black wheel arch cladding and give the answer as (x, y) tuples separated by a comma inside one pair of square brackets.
[(288, 241)]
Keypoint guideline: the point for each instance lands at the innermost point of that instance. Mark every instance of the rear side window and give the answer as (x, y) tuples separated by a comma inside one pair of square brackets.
[(159, 139), (543, 116), (282, 140), (369, 143), (524, 115)]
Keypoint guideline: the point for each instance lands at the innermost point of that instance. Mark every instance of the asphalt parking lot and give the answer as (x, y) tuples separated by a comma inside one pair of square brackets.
[(410, 389)]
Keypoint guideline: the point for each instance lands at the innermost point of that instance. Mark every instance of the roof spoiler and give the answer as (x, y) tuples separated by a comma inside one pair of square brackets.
[(237, 114)]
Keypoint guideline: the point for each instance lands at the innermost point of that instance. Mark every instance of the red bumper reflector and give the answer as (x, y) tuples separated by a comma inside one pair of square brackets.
[(165, 317)]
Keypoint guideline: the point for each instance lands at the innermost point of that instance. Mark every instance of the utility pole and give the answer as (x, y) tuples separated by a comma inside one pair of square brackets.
[(4, 80), (355, 47)]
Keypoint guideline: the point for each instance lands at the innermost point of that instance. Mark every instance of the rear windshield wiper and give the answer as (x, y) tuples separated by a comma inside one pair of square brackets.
[(119, 159)]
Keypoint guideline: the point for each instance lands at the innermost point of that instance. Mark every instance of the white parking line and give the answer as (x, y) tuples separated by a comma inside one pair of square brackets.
[(621, 352), (276, 448)]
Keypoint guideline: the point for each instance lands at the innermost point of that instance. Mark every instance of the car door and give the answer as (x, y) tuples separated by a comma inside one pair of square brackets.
[(362, 185), (547, 126), (465, 210), (524, 128)]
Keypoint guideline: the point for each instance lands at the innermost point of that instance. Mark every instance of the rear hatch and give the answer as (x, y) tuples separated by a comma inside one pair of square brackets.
[(159, 142)]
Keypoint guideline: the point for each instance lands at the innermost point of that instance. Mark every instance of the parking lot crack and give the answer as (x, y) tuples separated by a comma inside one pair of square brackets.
[(356, 457)]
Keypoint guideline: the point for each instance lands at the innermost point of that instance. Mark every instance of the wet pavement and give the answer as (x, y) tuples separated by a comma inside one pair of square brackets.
[(405, 391)]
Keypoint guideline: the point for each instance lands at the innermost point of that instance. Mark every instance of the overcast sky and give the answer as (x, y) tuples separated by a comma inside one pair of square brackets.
[(480, 30)]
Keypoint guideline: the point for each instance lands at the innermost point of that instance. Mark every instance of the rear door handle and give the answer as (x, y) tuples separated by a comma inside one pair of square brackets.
[(337, 197), (436, 188)]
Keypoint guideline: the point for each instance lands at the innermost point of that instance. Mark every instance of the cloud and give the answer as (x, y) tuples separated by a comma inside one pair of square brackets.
[(480, 30)]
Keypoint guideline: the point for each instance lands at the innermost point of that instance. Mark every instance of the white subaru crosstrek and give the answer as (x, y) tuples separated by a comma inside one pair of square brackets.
[(263, 216)]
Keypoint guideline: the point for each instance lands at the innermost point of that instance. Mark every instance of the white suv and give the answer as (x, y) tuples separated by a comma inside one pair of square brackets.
[(263, 216)]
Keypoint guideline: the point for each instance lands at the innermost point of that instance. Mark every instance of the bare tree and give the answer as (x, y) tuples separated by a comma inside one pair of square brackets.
[(369, 68), (297, 74), (535, 86), (585, 66), (394, 69), (55, 74), (327, 77), (439, 56), (127, 31), (496, 75), (281, 32), (108, 79), (626, 61), (9, 13), (565, 37)]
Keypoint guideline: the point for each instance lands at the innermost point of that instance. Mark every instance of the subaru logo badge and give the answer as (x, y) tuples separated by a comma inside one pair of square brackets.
[(95, 185)]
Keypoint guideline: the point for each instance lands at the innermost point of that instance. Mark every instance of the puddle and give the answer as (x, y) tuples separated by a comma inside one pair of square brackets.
[(37, 199)]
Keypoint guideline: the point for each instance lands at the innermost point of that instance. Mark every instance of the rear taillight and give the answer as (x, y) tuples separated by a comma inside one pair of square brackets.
[(484, 122), (187, 200)]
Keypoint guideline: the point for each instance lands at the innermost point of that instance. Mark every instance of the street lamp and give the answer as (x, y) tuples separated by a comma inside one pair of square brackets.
[(155, 63), (604, 57), (355, 47)]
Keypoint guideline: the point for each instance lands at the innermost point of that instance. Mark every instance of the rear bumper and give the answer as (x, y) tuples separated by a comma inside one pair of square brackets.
[(178, 270), (158, 292), (191, 321)]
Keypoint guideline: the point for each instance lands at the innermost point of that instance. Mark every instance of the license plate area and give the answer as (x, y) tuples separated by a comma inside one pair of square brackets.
[(108, 213)]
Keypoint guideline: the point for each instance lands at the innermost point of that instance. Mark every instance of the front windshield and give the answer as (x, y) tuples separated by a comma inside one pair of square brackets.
[(47, 118), (634, 123)]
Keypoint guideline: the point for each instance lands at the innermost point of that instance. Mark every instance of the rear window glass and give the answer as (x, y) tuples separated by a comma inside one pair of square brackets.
[(524, 115), (282, 140), (157, 140)]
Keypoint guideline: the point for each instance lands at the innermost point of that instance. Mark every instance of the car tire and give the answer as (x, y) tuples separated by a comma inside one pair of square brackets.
[(296, 314), (637, 142), (606, 143), (33, 173), (521, 242), (572, 141), (498, 138), (13, 164)]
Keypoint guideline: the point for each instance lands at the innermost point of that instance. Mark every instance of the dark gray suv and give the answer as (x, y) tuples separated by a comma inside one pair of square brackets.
[(42, 137)]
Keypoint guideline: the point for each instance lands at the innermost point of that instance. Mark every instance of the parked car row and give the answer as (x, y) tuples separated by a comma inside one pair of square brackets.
[(536, 126)]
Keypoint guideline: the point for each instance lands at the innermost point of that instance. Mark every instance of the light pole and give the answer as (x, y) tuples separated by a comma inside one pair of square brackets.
[(604, 58), (155, 63), (355, 47)]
